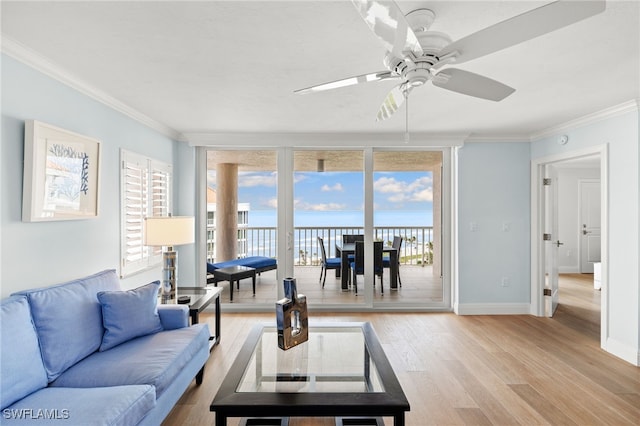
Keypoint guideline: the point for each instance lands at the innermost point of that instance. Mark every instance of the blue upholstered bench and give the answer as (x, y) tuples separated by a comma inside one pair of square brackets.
[(259, 263)]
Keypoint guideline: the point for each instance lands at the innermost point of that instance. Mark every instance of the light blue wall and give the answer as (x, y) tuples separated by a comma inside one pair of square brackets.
[(621, 135), (493, 185), (38, 254)]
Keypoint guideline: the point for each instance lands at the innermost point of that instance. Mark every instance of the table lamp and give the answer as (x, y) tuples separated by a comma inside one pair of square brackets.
[(169, 231)]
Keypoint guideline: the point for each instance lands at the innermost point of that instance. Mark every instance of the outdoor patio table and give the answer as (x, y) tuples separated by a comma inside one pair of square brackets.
[(343, 251)]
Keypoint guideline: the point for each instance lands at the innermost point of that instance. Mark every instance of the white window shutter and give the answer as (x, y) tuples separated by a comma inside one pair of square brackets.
[(145, 191)]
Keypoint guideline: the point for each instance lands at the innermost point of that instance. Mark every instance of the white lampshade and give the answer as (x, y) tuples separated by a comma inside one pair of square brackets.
[(168, 230)]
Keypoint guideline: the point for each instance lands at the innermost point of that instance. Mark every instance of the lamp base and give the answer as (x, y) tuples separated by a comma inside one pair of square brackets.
[(169, 274)]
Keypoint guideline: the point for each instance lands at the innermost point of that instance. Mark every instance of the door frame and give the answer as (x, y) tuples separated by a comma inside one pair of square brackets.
[(537, 216)]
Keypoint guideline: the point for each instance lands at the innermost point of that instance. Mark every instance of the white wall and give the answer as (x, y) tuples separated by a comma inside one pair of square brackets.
[(621, 134), (569, 215), (45, 253), (494, 228)]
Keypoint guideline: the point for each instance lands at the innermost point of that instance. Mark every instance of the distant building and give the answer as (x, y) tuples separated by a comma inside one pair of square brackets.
[(243, 224)]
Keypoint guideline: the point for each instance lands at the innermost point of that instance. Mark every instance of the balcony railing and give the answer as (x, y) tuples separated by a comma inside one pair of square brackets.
[(417, 244)]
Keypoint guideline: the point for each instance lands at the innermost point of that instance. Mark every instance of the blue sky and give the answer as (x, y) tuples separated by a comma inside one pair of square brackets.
[(338, 191)]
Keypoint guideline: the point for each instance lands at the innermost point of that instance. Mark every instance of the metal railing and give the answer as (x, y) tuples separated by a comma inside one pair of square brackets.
[(416, 249)]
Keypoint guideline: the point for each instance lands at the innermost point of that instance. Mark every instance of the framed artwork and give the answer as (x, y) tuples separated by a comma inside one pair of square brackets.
[(61, 174)]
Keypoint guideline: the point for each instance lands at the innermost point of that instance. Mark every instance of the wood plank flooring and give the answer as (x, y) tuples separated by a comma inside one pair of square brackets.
[(473, 370)]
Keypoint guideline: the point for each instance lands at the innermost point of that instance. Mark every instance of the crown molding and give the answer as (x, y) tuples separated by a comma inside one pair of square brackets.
[(517, 138), (40, 63), (324, 139), (623, 108)]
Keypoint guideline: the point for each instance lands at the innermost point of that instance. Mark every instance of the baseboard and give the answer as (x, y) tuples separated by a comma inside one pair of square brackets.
[(493, 309), (623, 351), (568, 269)]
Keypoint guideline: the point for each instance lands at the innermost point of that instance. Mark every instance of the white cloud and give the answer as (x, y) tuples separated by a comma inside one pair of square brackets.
[(386, 185), (400, 191), (247, 180), (424, 195), (272, 202), (318, 207), (337, 187)]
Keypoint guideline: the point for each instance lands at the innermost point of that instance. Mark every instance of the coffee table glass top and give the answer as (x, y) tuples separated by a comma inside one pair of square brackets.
[(341, 371), (334, 359)]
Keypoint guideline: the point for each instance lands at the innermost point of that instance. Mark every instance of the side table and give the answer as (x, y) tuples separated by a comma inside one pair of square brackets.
[(201, 297)]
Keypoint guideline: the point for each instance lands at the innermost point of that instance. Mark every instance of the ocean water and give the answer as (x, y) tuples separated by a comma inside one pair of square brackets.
[(344, 218)]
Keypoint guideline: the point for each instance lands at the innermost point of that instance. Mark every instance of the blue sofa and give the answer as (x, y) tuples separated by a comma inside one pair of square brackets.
[(67, 358)]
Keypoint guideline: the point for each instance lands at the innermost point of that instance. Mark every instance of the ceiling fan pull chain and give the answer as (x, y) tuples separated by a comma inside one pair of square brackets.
[(406, 120)]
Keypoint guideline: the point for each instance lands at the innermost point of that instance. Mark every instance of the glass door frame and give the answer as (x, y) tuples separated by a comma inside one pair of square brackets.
[(285, 221)]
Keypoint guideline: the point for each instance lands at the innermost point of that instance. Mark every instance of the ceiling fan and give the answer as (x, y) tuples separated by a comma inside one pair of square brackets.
[(415, 54)]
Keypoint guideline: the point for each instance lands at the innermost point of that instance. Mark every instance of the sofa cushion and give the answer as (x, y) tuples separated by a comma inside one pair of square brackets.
[(68, 319), (129, 314), (155, 359), (119, 405), (21, 370), (173, 316)]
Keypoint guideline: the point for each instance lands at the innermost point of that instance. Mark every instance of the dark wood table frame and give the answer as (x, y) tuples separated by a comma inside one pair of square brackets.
[(391, 402), (344, 250), (235, 273), (203, 298)]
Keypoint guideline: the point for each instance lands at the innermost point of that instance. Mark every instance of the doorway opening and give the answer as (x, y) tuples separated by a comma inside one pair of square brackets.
[(569, 243)]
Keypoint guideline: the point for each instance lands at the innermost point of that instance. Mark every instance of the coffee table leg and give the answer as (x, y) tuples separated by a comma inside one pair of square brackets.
[(221, 420), (398, 420)]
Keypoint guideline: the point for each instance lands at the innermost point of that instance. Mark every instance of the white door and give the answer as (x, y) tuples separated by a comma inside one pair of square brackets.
[(589, 224), (550, 239)]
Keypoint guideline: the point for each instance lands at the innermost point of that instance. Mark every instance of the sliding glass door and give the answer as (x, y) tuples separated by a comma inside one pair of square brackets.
[(407, 218), (242, 218), (328, 203), (290, 203)]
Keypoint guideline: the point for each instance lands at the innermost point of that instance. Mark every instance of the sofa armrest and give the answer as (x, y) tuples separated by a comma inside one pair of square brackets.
[(173, 316)]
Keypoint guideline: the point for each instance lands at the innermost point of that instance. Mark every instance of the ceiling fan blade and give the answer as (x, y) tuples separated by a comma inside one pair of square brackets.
[(393, 101), (522, 27), (365, 78), (471, 84), (387, 21)]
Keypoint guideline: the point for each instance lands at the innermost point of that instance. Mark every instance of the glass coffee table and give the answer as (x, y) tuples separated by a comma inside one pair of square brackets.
[(341, 371)]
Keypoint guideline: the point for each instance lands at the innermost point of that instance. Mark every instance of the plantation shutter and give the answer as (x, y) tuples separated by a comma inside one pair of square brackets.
[(145, 191)]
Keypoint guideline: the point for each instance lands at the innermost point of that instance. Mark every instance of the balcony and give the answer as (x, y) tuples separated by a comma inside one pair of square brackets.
[(419, 284)]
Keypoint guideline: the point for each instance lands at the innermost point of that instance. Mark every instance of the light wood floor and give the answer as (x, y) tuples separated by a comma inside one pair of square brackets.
[(475, 370)]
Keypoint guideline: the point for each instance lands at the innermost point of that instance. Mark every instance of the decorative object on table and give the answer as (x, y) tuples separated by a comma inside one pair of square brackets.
[(291, 317), (61, 174), (184, 300), (168, 231)]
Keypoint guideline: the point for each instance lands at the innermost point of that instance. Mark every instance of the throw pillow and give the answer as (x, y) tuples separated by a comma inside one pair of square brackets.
[(129, 314)]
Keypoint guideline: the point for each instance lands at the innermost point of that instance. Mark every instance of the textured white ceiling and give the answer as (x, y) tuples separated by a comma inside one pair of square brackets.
[(213, 66)]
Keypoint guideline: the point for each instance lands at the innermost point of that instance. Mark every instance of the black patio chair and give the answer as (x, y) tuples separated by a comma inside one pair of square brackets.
[(327, 262), (386, 261), (357, 265)]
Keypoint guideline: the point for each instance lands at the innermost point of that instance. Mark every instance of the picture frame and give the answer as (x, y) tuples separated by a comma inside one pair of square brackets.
[(61, 174)]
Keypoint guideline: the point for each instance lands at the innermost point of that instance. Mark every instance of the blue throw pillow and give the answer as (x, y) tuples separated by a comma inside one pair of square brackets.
[(129, 314)]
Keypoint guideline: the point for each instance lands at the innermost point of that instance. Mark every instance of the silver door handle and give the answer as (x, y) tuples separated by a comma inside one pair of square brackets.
[(585, 232), (558, 243)]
